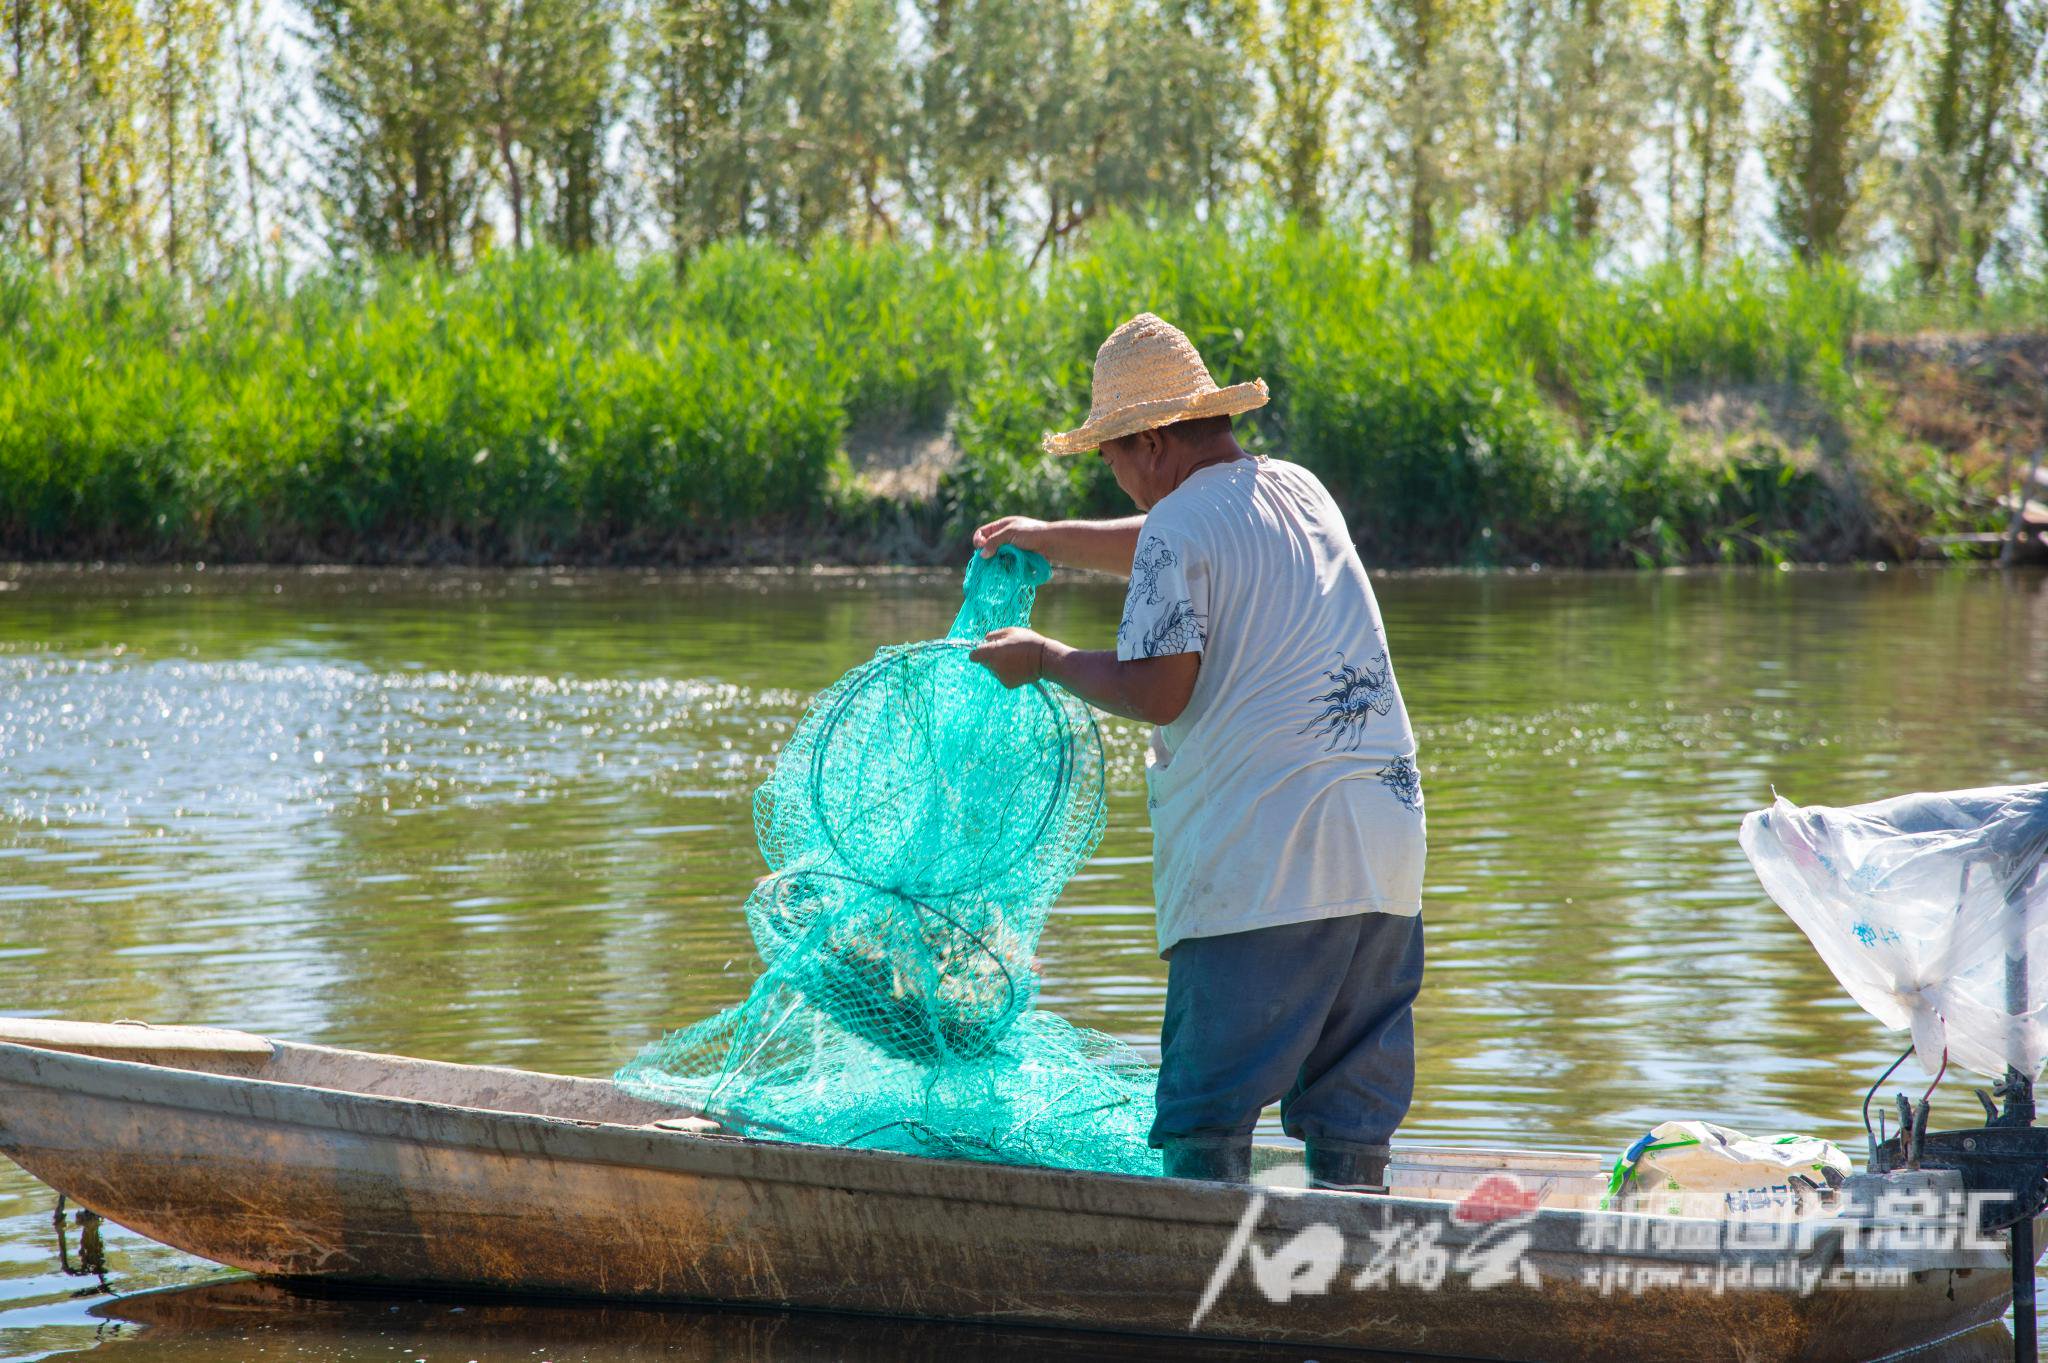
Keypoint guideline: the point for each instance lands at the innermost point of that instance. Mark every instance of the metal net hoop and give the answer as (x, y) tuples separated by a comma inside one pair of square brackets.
[(861, 781)]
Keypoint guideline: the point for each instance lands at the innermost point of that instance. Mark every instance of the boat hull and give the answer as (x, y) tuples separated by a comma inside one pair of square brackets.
[(307, 1182)]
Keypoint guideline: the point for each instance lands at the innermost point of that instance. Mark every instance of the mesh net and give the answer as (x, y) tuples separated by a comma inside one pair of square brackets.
[(917, 826)]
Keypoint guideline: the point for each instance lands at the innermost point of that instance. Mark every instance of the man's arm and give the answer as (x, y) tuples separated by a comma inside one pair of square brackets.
[(1152, 690), (1106, 546)]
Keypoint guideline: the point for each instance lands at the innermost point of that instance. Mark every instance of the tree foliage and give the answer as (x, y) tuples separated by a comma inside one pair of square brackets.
[(180, 134), (1705, 115), (1969, 134), (1839, 60)]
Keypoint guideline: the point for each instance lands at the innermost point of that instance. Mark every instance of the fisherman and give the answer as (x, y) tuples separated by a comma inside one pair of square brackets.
[(1286, 808)]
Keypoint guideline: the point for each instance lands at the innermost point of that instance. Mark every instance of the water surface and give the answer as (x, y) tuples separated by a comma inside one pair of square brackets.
[(503, 819)]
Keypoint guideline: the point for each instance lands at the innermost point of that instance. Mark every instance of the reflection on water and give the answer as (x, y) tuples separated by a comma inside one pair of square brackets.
[(91, 1260), (503, 818), (243, 1319), (246, 1319)]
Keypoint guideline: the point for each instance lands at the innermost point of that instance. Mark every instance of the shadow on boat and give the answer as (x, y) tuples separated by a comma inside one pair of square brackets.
[(251, 1317)]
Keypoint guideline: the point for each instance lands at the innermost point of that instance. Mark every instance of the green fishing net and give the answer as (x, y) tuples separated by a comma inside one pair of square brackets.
[(918, 825)]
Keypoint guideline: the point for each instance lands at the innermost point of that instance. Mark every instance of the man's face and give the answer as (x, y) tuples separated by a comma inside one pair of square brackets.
[(1134, 460)]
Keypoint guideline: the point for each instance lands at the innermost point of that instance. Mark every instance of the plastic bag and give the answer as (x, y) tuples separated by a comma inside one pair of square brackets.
[(1932, 910), (1699, 1169)]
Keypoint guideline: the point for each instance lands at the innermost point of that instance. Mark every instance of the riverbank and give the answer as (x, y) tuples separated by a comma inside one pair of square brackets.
[(1511, 404)]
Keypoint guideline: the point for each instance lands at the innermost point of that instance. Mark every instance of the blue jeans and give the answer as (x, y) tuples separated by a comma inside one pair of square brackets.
[(1317, 1014)]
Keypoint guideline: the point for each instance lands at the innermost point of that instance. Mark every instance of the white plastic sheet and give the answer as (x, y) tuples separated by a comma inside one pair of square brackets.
[(1932, 910)]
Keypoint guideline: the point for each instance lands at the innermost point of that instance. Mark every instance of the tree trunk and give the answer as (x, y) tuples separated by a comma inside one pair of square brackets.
[(1585, 189), (169, 92), (515, 186), (1675, 95), (17, 35), (1421, 132), (1706, 156), (244, 116), (1945, 129), (89, 107), (1421, 221), (673, 133)]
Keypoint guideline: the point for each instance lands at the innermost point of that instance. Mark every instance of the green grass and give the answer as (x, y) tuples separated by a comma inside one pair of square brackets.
[(1510, 403), (2013, 303)]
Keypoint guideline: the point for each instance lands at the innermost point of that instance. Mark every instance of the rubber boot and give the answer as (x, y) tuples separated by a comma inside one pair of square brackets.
[(1217, 1160), (1342, 1167)]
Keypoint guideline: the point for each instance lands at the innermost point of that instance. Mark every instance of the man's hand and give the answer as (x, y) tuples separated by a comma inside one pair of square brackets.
[(1022, 531), (1016, 655), (1153, 690)]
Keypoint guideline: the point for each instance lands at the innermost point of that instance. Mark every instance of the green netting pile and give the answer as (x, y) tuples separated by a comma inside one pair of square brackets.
[(917, 826)]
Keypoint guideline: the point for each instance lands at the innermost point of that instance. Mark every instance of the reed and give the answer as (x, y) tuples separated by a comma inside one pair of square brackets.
[(1514, 401)]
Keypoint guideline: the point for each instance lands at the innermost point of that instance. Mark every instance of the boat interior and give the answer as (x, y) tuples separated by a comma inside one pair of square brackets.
[(1561, 1179)]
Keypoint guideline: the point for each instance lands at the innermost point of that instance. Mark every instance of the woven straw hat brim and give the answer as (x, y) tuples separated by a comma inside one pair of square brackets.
[(1144, 416)]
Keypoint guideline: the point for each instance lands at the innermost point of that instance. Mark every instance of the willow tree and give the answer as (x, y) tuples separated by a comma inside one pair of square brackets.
[(1420, 81), (541, 68), (1569, 81), (1519, 172), (187, 146), (1031, 118), (1299, 57), (1970, 119), (73, 119), (1155, 106), (104, 65), (1221, 37), (1605, 63), (830, 119), (39, 107), (399, 161), (1837, 58), (575, 174), (258, 77), (994, 80), (690, 62), (1704, 120)]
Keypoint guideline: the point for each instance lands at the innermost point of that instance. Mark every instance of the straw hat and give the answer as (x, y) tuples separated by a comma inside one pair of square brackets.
[(1148, 374)]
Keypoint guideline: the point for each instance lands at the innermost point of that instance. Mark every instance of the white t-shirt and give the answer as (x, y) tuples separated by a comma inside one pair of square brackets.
[(1287, 790)]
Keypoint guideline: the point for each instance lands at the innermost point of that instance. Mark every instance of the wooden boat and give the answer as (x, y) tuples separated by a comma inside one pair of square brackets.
[(306, 1162)]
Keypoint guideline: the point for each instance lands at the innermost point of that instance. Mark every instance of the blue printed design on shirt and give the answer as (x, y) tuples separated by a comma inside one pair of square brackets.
[(1180, 628), (1153, 559), (1356, 695), (1401, 777)]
